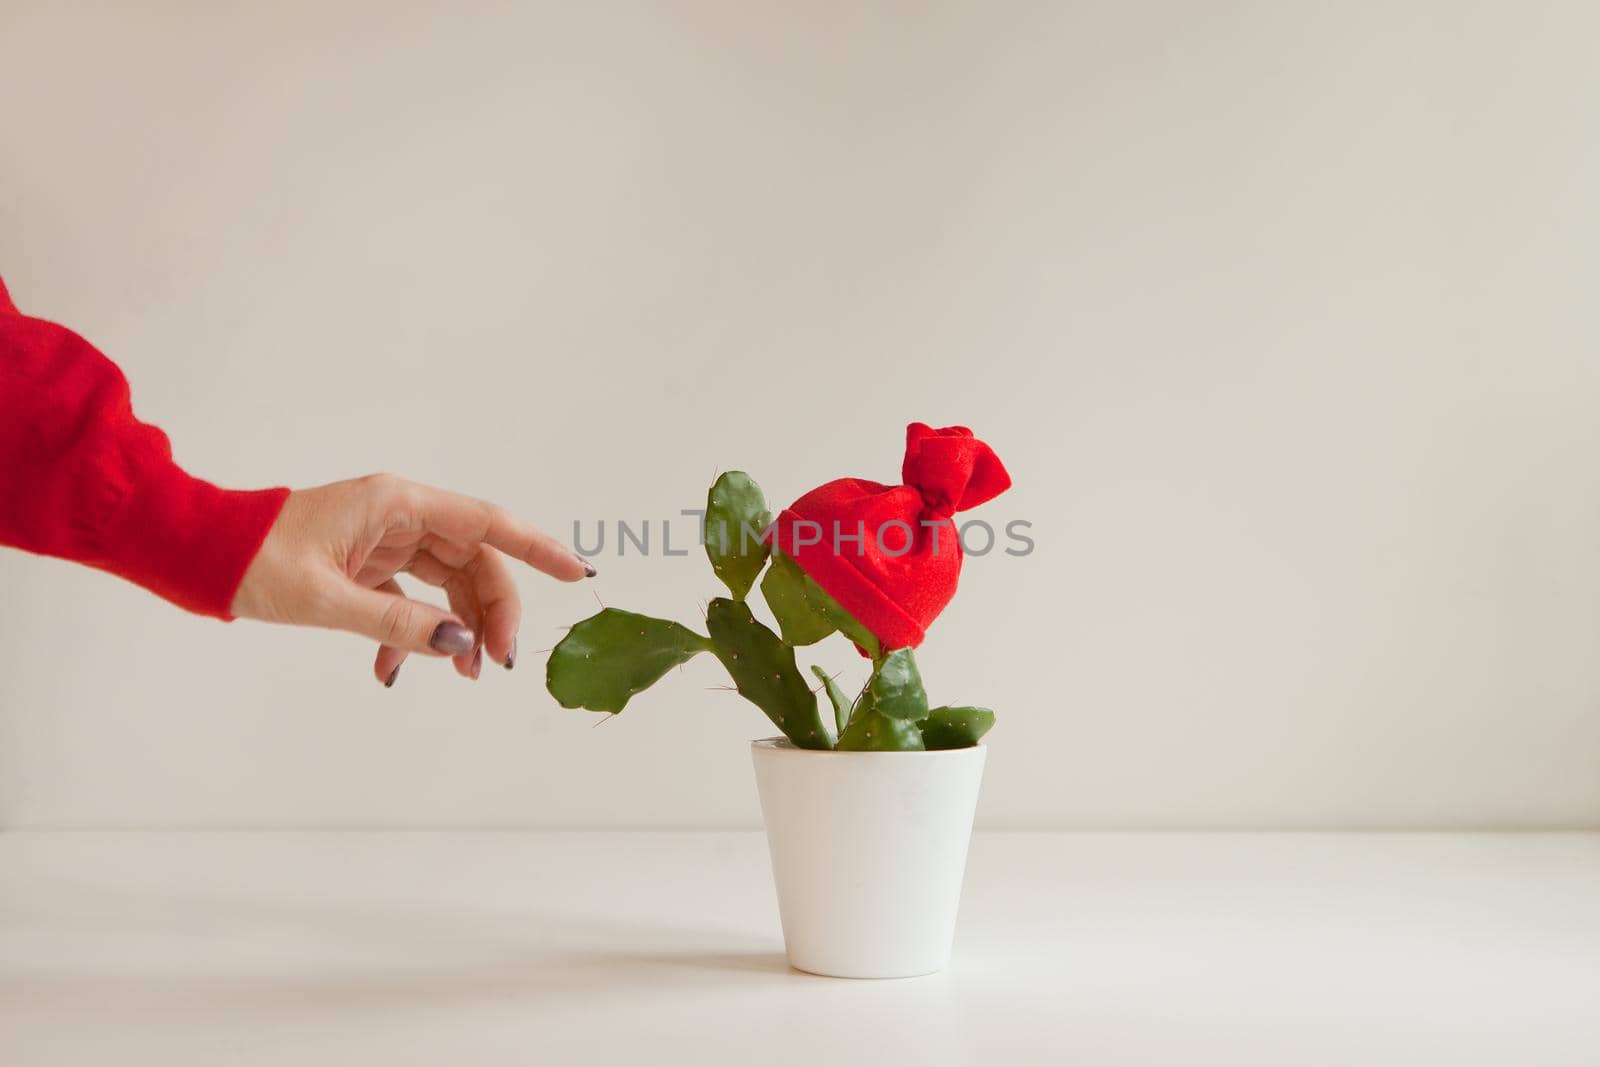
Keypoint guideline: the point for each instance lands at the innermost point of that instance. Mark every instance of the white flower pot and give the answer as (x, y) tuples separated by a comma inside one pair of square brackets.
[(868, 852)]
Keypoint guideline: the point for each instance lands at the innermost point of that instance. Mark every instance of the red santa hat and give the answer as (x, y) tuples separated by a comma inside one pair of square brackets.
[(890, 554)]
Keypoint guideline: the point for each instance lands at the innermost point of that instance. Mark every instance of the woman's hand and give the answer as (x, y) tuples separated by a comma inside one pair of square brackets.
[(331, 558)]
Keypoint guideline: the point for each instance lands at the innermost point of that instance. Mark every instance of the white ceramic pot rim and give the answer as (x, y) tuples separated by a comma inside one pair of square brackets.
[(784, 745)]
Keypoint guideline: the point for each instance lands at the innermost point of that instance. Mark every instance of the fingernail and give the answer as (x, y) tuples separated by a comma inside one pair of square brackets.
[(477, 663), (511, 657), (388, 683), (588, 569), (451, 638)]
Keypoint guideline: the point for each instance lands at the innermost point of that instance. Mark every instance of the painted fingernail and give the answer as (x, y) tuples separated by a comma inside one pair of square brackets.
[(511, 657), (477, 663), (388, 683), (588, 568), (451, 638)]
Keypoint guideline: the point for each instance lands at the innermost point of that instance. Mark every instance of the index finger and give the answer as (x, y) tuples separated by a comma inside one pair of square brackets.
[(467, 520)]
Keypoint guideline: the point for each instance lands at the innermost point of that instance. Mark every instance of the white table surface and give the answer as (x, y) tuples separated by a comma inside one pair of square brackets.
[(488, 948)]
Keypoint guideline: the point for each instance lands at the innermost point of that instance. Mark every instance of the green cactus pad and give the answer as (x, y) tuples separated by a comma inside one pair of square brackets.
[(956, 727), (765, 673), (608, 657), (736, 517), (804, 610), (869, 730), (873, 731), (840, 702), (896, 687), (784, 589)]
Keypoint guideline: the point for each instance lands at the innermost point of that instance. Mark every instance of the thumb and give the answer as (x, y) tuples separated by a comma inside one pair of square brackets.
[(398, 621)]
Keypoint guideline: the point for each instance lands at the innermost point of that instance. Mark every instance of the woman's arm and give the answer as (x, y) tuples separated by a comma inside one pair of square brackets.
[(81, 478)]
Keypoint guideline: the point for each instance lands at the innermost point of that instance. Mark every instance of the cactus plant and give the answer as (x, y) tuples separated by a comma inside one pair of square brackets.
[(604, 660)]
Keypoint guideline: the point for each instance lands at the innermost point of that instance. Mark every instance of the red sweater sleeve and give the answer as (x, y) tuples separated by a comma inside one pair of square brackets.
[(82, 479)]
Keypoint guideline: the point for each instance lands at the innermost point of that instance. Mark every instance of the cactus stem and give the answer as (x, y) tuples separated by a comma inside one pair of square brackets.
[(764, 672)]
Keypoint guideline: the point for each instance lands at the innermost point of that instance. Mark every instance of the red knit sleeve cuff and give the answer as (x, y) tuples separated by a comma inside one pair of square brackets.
[(189, 541)]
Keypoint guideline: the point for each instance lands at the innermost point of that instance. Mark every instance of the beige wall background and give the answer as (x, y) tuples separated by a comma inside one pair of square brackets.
[(1282, 315)]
